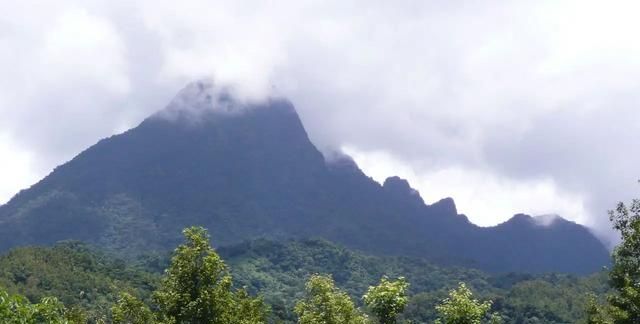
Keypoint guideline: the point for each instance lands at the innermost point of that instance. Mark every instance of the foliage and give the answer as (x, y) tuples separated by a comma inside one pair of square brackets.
[(81, 277), (277, 271), (131, 310), (624, 305), (597, 313), (387, 299), (550, 298), (15, 309), (197, 287), (461, 308), (89, 282), (326, 304), (625, 272)]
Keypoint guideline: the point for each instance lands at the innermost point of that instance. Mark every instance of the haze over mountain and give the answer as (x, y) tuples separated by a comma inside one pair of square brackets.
[(246, 170)]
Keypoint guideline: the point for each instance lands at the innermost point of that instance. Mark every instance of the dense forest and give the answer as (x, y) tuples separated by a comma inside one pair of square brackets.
[(89, 282)]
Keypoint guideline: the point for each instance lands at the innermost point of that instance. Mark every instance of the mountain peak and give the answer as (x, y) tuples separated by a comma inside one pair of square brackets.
[(400, 188), (204, 97), (541, 220), (519, 220), (197, 98), (445, 206), (549, 219), (338, 160), (247, 170), (400, 185)]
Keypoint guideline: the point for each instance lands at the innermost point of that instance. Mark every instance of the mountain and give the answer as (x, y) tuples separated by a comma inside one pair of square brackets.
[(248, 170)]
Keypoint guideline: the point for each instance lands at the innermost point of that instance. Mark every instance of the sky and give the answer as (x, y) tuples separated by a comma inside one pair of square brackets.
[(506, 106)]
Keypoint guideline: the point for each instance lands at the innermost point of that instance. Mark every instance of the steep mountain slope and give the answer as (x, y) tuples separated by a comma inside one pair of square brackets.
[(249, 170)]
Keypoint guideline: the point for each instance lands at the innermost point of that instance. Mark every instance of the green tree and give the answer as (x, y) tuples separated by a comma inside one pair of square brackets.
[(625, 272), (197, 287), (461, 308), (326, 304), (131, 310), (623, 306), (79, 316), (597, 313), (387, 299), (16, 309)]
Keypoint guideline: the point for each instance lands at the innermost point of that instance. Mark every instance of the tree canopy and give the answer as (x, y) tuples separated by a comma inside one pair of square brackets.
[(461, 308), (388, 299), (623, 306), (197, 287), (325, 304)]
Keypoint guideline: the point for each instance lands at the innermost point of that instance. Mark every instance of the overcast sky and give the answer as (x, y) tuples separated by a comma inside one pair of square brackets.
[(506, 106)]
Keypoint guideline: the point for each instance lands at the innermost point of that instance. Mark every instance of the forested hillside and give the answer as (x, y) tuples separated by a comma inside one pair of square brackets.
[(87, 279), (279, 270), (78, 275)]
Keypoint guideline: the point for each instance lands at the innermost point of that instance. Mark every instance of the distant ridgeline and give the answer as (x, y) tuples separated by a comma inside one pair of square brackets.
[(249, 171)]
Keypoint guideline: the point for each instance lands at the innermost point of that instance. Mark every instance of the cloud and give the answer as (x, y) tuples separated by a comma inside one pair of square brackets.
[(532, 102), (64, 78), (485, 196), (15, 168), (73, 44)]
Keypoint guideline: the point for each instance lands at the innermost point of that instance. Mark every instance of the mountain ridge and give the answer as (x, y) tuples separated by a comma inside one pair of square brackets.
[(249, 170)]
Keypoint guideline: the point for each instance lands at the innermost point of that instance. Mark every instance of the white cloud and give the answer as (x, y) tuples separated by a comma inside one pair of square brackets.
[(15, 169), (65, 76), (537, 100), (487, 199), (80, 47)]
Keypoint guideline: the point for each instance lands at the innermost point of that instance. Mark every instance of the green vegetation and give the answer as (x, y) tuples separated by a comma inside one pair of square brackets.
[(197, 288), (387, 300), (130, 310), (78, 275), (278, 270), (623, 306), (461, 308), (325, 304), (98, 287), (16, 309)]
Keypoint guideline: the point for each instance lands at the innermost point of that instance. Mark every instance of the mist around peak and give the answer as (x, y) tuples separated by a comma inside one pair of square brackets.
[(208, 97), (250, 170)]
